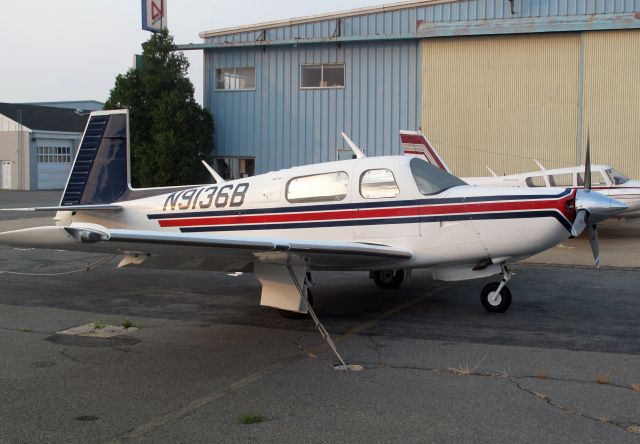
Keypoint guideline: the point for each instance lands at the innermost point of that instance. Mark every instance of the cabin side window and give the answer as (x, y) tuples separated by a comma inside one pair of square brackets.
[(431, 179), (535, 181), (327, 187), (597, 179), (561, 180), (378, 184)]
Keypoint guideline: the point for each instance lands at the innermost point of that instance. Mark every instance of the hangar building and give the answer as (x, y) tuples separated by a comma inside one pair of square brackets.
[(37, 145), (491, 82)]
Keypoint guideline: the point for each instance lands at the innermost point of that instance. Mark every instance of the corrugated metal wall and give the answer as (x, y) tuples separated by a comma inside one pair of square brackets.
[(282, 125), (501, 101), (495, 100), (403, 21), (612, 98)]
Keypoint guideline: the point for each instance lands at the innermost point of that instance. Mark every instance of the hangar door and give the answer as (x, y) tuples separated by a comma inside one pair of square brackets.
[(54, 159), (502, 100), (612, 98)]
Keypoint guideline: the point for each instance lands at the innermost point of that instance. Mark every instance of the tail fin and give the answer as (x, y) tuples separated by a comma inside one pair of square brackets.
[(100, 172), (415, 144)]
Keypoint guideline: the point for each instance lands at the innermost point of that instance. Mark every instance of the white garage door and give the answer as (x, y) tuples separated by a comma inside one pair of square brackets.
[(54, 164), (5, 175)]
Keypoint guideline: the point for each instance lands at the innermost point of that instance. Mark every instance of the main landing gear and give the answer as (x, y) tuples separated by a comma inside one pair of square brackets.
[(388, 279), (496, 296)]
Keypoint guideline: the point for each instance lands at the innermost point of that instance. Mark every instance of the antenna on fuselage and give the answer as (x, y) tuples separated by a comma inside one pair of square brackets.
[(218, 178), (542, 168), (357, 151)]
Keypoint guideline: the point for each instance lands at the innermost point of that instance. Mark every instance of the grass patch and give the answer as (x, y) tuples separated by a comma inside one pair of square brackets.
[(251, 418), (604, 379), (98, 325), (24, 330), (542, 374), (635, 387), (129, 324)]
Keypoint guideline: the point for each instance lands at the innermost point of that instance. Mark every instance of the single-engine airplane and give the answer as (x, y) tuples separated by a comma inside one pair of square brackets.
[(604, 179), (387, 215)]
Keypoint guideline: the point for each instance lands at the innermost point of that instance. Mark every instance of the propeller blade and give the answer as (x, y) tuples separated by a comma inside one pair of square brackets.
[(592, 231), (587, 167), (580, 223)]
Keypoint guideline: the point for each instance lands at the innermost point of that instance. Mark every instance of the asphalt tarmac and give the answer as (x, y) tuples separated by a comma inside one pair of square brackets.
[(562, 365)]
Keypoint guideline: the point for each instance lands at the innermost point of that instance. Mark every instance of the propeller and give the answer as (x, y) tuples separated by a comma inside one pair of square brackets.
[(592, 208)]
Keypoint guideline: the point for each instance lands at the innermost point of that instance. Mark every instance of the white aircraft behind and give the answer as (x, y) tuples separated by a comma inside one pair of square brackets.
[(604, 179), (387, 215)]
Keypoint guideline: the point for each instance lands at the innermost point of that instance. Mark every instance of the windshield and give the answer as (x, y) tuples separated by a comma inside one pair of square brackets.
[(617, 178), (431, 179)]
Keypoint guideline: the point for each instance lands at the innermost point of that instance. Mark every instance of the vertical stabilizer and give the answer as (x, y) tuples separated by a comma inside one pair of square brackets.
[(415, 144), (100, 174)]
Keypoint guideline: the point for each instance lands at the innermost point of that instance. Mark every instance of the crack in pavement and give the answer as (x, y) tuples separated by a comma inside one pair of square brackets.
[(25, 330), (627, 426)]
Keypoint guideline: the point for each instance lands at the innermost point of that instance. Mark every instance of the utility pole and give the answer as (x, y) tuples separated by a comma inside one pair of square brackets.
[(19, 163)]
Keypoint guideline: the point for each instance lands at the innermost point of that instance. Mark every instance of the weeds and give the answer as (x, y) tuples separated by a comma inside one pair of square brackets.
[(465, 370), (604, 379), (128, 324), (97, 325), (633, 429), (251, 418), (543, 374), (24, 330)]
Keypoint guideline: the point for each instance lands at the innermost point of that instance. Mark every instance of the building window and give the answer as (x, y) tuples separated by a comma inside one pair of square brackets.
[(54, 154), (322, 76), (231, 168), (378, 184), (236, 79), (328, 187)]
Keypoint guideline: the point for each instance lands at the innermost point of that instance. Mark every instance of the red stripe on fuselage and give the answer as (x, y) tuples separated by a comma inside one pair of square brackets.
[(378, 213)]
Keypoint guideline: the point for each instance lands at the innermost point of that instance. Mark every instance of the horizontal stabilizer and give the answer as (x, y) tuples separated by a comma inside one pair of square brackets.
[(69, 208)]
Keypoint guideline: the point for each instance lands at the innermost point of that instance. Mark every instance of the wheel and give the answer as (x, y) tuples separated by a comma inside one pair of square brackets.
[(388, 279), (495, 302), (294, 314)]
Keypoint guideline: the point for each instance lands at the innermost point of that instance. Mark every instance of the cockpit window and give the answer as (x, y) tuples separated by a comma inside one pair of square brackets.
[(431, 179), (617, 178)]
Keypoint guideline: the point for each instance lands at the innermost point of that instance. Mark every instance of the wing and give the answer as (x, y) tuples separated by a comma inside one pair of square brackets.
[(204, 251)]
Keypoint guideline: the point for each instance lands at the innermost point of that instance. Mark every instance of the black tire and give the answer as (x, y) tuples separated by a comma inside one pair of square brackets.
[(294, 314), (388, 279), (498, 304)]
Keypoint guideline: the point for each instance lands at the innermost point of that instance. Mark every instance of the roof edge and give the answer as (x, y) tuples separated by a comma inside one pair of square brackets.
[(320, 17)]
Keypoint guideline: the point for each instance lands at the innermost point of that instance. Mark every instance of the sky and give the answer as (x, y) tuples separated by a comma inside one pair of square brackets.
[(74, 49)]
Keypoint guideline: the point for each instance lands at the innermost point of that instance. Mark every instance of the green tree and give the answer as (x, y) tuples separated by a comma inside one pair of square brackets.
[(170, 132)]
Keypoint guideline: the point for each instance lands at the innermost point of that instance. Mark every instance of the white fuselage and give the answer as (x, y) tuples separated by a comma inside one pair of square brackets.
[(463, 225), (602, 181)]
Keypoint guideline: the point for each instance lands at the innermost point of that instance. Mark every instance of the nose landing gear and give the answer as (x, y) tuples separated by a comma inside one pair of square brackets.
[(496, 296)]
